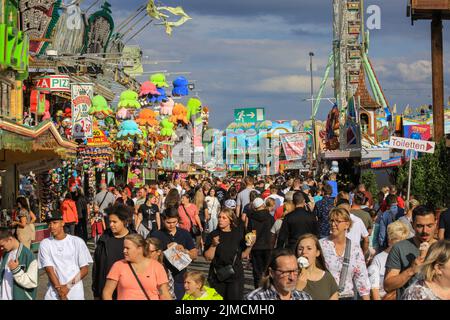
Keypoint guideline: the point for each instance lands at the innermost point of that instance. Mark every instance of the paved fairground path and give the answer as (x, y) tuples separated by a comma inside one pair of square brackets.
[(198, 265)]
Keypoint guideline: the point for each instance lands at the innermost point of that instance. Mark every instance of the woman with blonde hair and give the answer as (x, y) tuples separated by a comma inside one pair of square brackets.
[(196, 288), (435, 270), (397, 231), (314, 277), (337, 248), (407, 218), (137, 277)]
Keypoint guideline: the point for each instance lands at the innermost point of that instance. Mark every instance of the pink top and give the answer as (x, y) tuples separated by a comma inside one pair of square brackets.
[(128, 287), (192, 210)]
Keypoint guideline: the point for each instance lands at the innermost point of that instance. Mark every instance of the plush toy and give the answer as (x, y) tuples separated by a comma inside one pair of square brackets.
[(129, 128), (205, 115), (123, 114), (179, 114), (148, 88), (194, 107), (129, 99), (159, 79), (167, 107), (161, 97), (166, 128), (99, 108), (180, 87), (67, 113), (147, 117)]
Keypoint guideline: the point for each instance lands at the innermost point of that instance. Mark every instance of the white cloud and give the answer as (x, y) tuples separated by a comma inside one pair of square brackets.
[(417, 71), (289, 84)]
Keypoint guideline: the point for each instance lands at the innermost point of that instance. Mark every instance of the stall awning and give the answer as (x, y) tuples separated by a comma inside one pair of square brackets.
[(22, 144), (341, 154)]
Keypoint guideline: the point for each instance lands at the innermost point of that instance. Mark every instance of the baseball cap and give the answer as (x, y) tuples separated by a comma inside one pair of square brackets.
[(305, 187), (258, 202), (230, 204), (53, 215)]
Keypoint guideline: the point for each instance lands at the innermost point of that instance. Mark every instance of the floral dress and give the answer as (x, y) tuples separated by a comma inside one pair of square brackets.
[(419, 291), (357, 271)]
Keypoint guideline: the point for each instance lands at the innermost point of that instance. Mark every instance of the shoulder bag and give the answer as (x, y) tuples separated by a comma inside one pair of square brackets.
[(139, 282), (195, 230), (226, 272), (345, 266)]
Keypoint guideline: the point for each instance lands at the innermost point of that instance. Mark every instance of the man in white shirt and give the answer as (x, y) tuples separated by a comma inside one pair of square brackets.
[(66, 261)]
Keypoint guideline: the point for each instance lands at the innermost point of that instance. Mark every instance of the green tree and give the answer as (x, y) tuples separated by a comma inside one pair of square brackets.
[(369, 179), (430, 180)]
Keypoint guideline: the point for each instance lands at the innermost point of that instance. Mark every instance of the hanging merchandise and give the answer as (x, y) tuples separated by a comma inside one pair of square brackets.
[(147, 117), (123, 114), (100, 108), (129, 128), (38, 102), (179, 114), (129, 99), (166, 128), (166, 108), (147, 88), (180, 87), (159, 79), (161, 97)]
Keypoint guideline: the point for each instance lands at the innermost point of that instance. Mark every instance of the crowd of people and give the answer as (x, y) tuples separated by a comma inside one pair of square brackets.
[(303, 239)]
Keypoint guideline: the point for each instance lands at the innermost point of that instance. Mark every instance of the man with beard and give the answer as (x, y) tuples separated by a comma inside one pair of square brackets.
[(406, 257), (281, 279)]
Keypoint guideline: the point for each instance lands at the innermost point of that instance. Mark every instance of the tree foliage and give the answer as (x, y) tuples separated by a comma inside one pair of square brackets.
[(430, 181), (369, 179)]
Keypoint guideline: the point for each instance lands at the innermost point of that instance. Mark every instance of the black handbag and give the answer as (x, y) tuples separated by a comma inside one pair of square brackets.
[(226, 272), (195, 230)]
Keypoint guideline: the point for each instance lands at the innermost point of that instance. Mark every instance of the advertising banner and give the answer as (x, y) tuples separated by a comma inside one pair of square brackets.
[(294, 145), (82, 94)]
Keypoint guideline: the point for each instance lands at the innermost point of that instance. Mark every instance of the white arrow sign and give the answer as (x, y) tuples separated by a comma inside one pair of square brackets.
[(411, 144)]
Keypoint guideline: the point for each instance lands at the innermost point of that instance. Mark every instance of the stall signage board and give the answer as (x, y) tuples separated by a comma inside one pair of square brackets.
[(54, 83), (82, 94)]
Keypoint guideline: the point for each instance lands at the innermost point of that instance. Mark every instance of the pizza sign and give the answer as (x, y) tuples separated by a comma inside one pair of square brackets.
[(82, 94), (54, 83)]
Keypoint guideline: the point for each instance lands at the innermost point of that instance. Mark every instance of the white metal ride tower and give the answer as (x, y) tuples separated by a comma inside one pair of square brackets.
[(351, 66)]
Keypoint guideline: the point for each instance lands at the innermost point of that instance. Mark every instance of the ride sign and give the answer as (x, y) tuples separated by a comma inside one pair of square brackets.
[(82, 94)]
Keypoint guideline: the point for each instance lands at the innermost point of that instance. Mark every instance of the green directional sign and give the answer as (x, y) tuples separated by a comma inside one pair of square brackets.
[(249, 115)]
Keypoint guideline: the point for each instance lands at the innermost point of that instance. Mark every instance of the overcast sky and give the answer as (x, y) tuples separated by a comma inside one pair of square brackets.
[(254, 53)]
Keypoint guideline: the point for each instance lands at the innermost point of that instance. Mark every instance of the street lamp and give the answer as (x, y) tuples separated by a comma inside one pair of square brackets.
[(313, 122)]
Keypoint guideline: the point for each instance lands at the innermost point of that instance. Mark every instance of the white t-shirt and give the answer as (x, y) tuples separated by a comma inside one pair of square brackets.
[(376, 272), (276, 227), (8, 279), (66, 256), (357, 231), (278, 200)]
